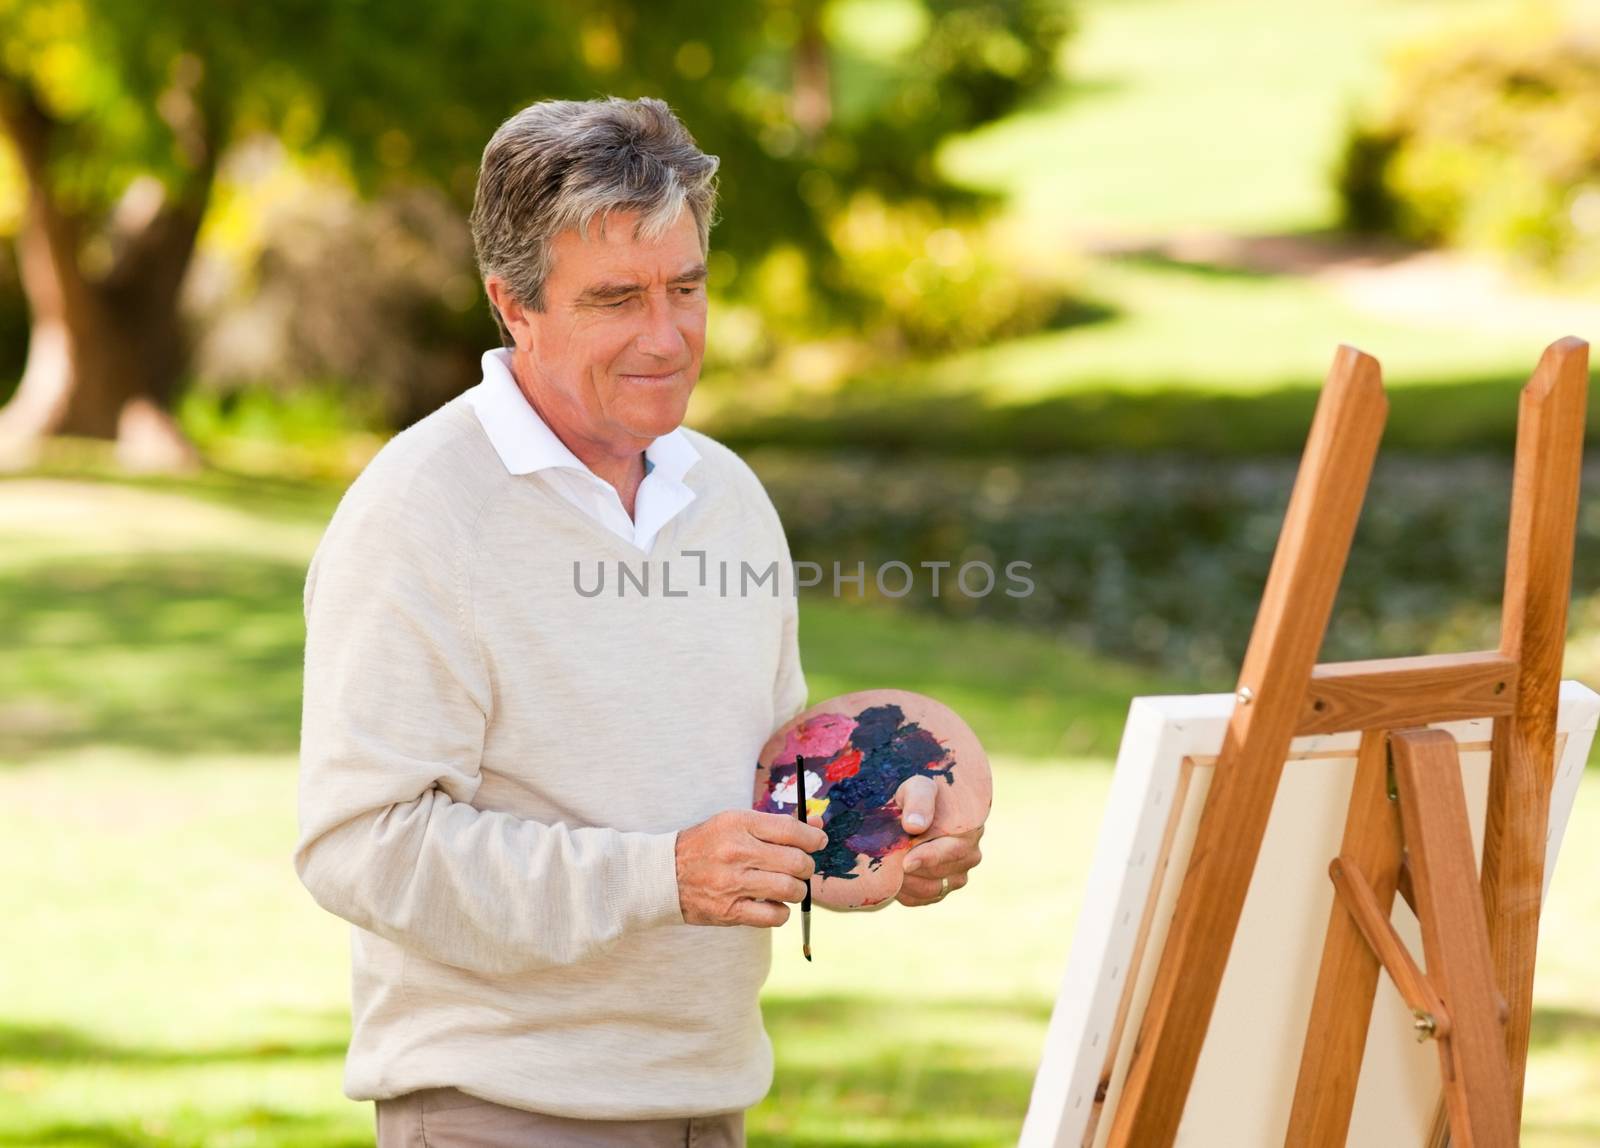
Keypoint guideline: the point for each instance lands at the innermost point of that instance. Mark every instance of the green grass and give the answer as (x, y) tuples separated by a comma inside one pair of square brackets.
[(1214, 113), (179, 987), (146, 618)]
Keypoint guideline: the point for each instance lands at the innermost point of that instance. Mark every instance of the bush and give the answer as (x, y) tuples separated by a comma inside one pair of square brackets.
[(304, 287), (929, 282), (1488, 141), (1161, 561)]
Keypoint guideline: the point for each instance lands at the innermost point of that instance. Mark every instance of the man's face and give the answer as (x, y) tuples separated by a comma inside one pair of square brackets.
[(616, 351)]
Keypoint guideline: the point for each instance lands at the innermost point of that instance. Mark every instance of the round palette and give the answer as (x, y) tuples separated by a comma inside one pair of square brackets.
[(859, 749)]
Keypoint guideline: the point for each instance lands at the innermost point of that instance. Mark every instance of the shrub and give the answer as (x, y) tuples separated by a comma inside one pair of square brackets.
[(304, 286), (930, 282), (1161, 561), (1491, 141)]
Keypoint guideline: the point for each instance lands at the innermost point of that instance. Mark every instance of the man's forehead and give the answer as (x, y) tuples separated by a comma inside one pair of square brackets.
[(617, 232), (612, 248)]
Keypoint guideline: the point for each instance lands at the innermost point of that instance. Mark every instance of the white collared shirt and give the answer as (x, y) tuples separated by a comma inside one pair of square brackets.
[(526, 445)]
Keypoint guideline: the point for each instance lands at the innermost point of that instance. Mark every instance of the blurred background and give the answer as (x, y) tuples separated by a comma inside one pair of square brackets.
[(1052, 281)]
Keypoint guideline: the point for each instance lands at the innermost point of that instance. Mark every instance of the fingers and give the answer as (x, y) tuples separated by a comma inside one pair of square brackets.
[(783, 859), (777, 887), (929, 863), (762, 914), (942, 857), (918, 891), (917, 797), (781, 830)]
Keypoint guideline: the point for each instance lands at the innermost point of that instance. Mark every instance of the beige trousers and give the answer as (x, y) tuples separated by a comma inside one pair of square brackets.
[(450, 1118)]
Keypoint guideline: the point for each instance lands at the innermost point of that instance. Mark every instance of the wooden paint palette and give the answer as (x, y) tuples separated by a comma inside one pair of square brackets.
[(859, 749)]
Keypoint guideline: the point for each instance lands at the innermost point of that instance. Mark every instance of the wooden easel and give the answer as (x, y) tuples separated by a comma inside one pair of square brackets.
[(1410, 835)]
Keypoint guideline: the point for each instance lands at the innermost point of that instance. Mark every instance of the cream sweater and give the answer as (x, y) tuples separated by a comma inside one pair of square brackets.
[(494, 766)]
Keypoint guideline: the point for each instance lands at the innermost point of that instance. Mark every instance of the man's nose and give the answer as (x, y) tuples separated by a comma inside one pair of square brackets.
[(660, 338)]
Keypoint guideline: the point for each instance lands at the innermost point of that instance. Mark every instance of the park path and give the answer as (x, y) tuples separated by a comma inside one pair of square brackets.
[(1382, 277)]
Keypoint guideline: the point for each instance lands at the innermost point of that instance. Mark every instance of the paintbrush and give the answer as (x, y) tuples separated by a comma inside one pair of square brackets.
[(800, 812)]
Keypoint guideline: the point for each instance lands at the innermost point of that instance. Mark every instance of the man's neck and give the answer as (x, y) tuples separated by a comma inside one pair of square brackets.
[(625, 473), (624, 470)]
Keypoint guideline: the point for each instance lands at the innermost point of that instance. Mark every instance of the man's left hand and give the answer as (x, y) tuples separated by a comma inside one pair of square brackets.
[(927, 864)]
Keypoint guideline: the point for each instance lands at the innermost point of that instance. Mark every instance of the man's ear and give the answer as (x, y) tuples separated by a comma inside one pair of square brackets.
[(512, 313)]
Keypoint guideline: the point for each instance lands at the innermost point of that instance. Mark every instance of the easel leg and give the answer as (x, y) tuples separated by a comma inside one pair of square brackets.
[(1341, 1011), (1544, 508), (1479, 1093)]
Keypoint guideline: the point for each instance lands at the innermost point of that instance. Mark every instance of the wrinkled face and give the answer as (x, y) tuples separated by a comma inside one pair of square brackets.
[(616, 351)]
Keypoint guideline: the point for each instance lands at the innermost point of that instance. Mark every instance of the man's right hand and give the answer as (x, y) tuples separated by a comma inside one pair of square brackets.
[(740, 866)]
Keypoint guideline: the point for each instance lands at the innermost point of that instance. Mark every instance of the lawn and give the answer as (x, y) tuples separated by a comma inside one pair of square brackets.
[(1209, 113), (170, 982)]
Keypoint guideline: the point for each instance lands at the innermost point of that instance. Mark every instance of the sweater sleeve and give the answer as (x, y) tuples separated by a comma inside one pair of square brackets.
[(396, 704)]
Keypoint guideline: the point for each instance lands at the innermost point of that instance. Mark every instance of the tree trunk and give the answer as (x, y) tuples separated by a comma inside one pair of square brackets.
[(104, 353), (810, 95), (102, 361)]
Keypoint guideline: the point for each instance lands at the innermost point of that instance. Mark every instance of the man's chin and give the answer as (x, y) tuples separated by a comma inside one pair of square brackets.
[(658, 416)]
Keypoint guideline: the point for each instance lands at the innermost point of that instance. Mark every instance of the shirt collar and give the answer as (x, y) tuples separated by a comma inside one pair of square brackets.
[(525, 442)]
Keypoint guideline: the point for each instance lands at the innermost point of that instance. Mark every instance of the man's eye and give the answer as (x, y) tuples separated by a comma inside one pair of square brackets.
[(614, 306)]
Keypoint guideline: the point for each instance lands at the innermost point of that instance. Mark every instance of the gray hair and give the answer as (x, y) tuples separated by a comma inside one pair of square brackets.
[(559, 164)]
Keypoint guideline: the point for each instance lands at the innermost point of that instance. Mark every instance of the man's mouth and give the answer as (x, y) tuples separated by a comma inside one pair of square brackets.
[(666, 377)]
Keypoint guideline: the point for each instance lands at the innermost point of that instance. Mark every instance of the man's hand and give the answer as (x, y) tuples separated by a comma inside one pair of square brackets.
[(738, 867), (927, 863)]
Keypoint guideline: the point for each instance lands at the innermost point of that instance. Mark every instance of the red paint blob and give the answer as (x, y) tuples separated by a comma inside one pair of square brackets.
[(848, 765)]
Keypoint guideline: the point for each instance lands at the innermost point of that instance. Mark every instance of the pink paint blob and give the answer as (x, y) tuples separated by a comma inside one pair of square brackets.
[(821, 736)]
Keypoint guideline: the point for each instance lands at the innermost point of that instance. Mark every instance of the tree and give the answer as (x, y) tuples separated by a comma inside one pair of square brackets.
[(117, 114)]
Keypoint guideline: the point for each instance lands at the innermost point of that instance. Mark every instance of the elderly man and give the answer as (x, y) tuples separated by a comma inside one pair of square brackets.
[(533, 804)]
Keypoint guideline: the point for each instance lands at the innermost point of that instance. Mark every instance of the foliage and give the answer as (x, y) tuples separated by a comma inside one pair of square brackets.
[(306, 291), (807, 103), (1489, 140), (361, 78), (799, 98), (931, 283)]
